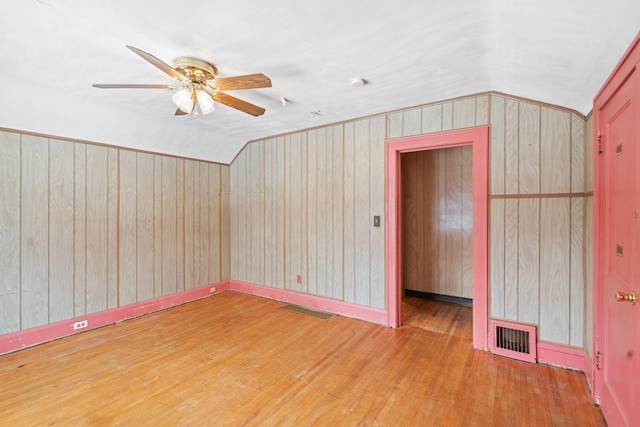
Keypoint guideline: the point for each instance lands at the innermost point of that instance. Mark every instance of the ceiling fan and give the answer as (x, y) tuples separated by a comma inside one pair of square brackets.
[(199, 87)]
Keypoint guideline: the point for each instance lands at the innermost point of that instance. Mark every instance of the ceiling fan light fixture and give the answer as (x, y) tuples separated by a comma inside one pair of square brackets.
[(184, 100), (205, 101)]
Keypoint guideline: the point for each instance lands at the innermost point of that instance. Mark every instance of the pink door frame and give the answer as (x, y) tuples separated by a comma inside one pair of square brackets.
[(478, 138)]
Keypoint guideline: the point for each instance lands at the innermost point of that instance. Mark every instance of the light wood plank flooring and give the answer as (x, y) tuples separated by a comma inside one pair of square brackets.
[(234, 360)]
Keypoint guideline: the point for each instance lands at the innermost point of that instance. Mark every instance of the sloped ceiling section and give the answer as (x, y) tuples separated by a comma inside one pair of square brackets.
[(410, 52)]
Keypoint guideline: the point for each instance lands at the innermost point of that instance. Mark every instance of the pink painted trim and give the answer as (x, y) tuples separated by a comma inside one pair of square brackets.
[(558, 355), (41, 334), (478, 138), (589, 372), (369, 314)]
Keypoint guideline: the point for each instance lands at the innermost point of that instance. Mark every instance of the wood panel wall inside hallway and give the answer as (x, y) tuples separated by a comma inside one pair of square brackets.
[(85, 228), (437, 221)]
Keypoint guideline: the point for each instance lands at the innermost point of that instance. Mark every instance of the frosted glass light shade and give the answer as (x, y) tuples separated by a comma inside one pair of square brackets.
[(183, 100), (205, 102)]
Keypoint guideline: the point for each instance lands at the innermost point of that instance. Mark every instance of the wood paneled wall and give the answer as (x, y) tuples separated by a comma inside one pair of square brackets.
[(437, 221), (315, 189), (303, 212), (85, 228), (537, 218)]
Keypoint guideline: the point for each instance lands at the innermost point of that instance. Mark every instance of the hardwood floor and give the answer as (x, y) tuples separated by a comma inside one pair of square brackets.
[(234, 359)]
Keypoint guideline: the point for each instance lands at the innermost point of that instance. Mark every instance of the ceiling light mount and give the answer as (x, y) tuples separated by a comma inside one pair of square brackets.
[(196, 70)]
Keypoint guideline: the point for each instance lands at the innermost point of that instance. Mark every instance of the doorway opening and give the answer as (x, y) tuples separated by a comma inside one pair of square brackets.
[(477, 140), (436, 234)]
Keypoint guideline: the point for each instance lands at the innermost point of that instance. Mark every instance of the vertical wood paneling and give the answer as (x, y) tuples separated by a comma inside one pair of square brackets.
[(97, 223), (411, 233), (189, 166), (576, 294), (199, 228), (143, 236), (34, 250), (588, 261), (112, 227), (529, 149), (281, 210), (577, 154), (362, 210), (256, 224), (555, 248), (312, 212), (376, 207), (497, 147), (432, 118), (497, 257), (349, 212), (179, 221), (235, 222), (442, 222), (588, 159), (464, 113), (131, 265), (245, 218), (447, 116), (214, 224), (79, 232), (157, 226), (322, 208), (10, 232), (204, 254), (511, 259), (168, 216), (225, 218), (412, 122), (555, 151), (467, 222), (511, 151), (296, 213), (335, 271), (270, 213), (61, 241), (528, 260), (431, 200), (453, 223), (395, 124), (437, 221), (94, 228), (482, 110)]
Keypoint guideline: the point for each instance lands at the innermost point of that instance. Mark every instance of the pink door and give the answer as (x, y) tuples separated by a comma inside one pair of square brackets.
[(617, 198)]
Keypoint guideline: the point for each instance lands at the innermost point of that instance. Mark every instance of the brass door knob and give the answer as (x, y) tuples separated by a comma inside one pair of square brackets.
[(621, 296)]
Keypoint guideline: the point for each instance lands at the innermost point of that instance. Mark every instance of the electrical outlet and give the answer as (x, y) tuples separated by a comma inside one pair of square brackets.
[(212, 290), (80, 325)]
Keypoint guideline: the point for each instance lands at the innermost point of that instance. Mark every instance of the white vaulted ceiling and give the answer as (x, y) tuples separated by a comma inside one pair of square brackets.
[(410, 52)]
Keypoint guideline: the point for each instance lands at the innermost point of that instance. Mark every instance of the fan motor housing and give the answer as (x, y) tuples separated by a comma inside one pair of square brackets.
[(196, 70)]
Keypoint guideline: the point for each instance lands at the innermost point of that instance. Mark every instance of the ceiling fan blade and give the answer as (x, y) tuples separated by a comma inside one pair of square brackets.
[(179, 112), (238, 104), (250, 81), (132, 86), (169, 70)]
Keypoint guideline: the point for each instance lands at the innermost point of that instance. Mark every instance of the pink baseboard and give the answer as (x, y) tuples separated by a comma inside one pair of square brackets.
[(566, 357), (41, 334), (369, 314)]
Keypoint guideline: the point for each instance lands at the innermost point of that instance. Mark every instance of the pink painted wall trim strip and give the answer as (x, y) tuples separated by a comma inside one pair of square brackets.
[(41, 334), (557, 355), (369, 314)]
